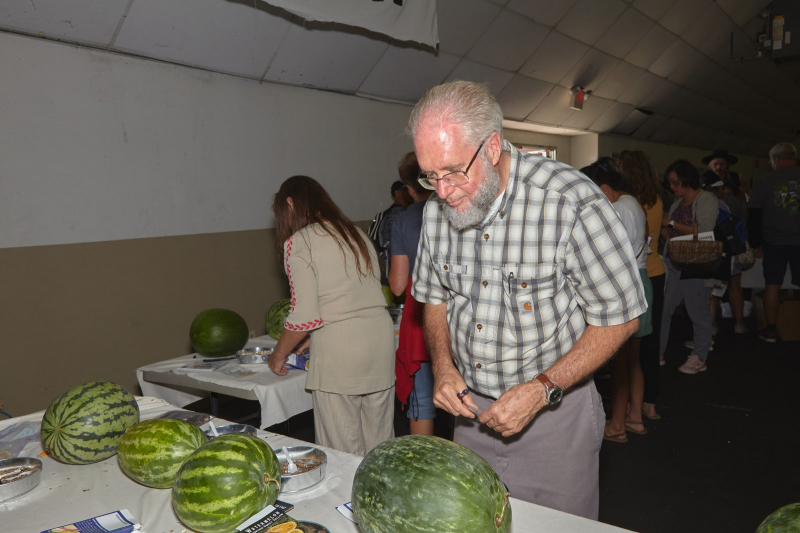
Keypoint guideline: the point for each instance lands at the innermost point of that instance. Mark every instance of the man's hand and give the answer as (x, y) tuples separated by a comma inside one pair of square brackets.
[(515, 408), (276, 363), (448, 383)]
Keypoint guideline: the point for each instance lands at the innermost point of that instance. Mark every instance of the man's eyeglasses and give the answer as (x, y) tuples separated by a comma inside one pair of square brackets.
[(456, 178)]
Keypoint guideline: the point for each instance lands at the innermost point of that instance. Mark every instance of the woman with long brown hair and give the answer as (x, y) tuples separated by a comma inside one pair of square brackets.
[(642, 183), (339, 310)]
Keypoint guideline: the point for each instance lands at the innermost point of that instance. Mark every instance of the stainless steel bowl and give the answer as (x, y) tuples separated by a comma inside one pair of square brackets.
[(10, 490), (254, 355), (232, 429), (303, 480)]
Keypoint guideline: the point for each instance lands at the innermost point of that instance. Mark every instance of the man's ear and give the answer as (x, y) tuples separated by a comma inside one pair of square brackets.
[(495, 143)]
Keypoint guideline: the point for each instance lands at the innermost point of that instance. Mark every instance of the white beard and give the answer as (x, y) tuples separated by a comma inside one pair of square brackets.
[(478, 207)]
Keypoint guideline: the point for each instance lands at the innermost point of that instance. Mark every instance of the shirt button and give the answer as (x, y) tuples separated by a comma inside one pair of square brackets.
[(485, 283), (480, 327), (478, 365), (486, 236), (524, 285), (445, 267)]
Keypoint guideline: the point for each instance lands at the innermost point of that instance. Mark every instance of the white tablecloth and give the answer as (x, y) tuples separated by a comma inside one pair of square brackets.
[(281, 397), (70, 493)]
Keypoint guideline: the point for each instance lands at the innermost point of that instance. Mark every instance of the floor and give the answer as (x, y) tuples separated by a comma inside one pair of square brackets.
[(723, 457)]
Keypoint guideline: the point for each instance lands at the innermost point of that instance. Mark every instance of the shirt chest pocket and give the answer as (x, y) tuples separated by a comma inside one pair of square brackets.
[(453, 276), (529, 296)]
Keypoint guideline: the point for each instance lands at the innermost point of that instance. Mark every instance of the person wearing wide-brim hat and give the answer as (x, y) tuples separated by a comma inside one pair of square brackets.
[(720, 161)]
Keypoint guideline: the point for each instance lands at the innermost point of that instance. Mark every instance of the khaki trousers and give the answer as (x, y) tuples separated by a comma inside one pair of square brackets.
[(353, 423), (555, 461)]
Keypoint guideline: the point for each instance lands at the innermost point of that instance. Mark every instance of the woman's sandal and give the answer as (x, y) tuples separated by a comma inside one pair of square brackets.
[(622, 437), (629, 426)]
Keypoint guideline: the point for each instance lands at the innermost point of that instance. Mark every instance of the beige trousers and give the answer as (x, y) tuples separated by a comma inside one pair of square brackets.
[(353, 423)]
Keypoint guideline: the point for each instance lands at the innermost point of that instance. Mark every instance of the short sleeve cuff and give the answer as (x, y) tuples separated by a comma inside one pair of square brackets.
[(614, 319)]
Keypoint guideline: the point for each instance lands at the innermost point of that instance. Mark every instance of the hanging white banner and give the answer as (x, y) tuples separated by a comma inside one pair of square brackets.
[(405, 20)]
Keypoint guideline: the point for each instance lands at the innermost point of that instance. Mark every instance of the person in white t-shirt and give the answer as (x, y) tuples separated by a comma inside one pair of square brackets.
[(627, 380)]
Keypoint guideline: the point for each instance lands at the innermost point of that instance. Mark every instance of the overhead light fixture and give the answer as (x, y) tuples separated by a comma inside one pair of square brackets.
[(579, 96)]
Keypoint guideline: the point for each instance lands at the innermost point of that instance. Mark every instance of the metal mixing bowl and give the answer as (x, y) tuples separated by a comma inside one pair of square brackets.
[(232, 429), (303, 480), (15, 489), (255, 355)]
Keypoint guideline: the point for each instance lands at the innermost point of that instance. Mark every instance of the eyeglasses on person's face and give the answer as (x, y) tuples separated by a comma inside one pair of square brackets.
[(456, 178)]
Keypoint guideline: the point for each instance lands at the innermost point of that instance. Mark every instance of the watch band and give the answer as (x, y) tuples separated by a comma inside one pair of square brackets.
[(546, 381)]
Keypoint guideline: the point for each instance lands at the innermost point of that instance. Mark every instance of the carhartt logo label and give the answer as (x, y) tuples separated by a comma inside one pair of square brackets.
[(527, 307)]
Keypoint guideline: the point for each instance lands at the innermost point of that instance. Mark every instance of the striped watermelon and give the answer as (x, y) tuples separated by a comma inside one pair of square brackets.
[(420, 484), (151, 452), (225, 482), (84, 425), (784, 520), (276, 316)]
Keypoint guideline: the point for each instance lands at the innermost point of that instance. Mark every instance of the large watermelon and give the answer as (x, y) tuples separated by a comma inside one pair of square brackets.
[(420, 483), (151, 452), (225, 482), (276, 316), (784, 520), (218, 332), (84, 425)]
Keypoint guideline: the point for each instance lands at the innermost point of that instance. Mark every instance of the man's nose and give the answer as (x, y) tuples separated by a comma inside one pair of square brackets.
[(443, 189)]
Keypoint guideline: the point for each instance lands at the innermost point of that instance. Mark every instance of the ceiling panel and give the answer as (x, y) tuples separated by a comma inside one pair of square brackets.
[(618, 81), (671, 131), (689, 67), (545, 12), (704, 25), (236, 39), (638, 91), (468, 70), (588, 20), (86, 21), (654, 9), (509, 41), (718, 37), (651, 47), (521, 95), (325, 58), (741, 11), (671, 59), (650, 126), (553, 109), (659, 96), (631, 123), (672, 105), (554, 58), (625, 33), (590, 70), (406, 73), (609, 120), (683, 14), (592, 109), (462, 22)]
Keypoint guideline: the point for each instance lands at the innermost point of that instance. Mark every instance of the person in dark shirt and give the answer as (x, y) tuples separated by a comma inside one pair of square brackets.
[(774, 227), (380, 231)]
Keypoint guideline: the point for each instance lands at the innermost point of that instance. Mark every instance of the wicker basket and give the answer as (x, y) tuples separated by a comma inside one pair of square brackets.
[(695, 255)]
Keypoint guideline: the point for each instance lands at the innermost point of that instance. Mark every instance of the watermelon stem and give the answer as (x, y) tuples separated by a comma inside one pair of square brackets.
[(267, 479), (498, 520)]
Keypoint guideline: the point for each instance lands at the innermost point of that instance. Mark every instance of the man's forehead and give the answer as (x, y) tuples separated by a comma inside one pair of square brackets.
[(719, 161)]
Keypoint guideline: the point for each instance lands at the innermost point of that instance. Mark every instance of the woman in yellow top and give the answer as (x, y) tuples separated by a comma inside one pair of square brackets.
[(337, 307), (643, 185)]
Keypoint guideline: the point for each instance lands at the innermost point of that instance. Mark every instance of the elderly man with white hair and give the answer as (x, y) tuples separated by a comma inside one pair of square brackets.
[(774, 228), (529, 283)]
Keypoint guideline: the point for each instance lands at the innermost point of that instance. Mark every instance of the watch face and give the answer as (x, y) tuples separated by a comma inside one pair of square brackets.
[(555, 395)]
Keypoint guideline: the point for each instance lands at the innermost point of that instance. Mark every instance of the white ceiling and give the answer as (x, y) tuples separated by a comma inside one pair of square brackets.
[(668, 57)]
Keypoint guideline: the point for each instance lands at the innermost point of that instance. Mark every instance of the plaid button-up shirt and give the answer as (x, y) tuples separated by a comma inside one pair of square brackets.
[(521, 288)]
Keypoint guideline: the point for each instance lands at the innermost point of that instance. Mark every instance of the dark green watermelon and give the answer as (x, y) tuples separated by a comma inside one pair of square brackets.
[(151, 452), (420, 483), (276, 316), (225, 482), (784, 520), (218, 332), (85, 424)]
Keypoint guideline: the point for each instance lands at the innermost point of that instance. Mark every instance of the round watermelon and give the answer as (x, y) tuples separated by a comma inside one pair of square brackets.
[(225, 482), (85, 424), (421, 483), (276, 316), (151, 452), (784, 520), (218, 332)]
